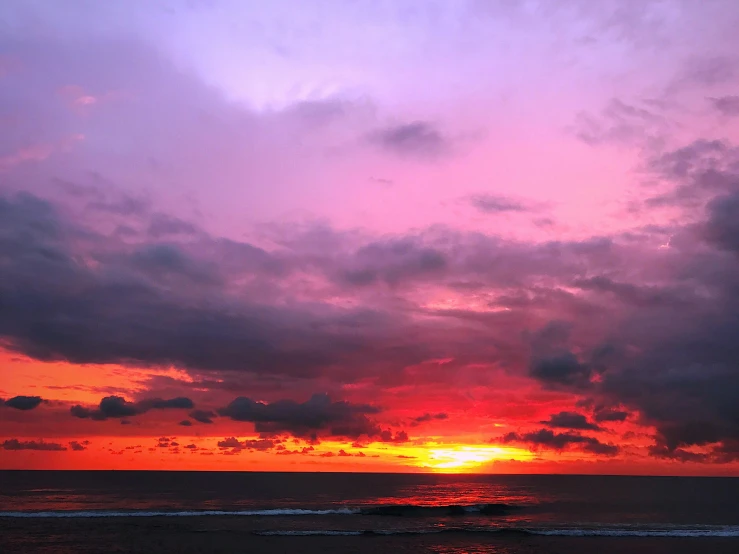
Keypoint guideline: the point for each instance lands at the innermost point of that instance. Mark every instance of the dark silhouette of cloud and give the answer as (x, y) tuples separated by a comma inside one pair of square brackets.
[(722, 227), (429, 417), (393, 263), (318, 413), (118, 407), (24, 402), (570, 420), (545, 438), (418, 139), (15, 444), (202, 416), (605, 415), (492, 204), (564, 369), (250, 444)]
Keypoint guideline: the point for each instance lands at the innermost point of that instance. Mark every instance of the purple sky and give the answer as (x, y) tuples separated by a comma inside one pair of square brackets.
[(360, 188)]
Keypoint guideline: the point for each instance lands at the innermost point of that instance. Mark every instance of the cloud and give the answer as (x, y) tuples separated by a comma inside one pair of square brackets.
[(415, 139), (119, 407), (179, 403), (672, 362), (722, 227), (621, 123), (429, 417), (24, 402), (570, 420), (386, 435), (124, 206), (493, 204), (147, 308), (695, 173), (163, 225), (564, 369), (76, 446), (202, 416), (393, 262), (249, 444), (606, 415), (710, 70), (726, 105), (318, 413), (15, 444), (545, 438)]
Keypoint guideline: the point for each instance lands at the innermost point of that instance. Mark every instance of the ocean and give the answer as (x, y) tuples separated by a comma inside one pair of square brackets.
[(90, 511)]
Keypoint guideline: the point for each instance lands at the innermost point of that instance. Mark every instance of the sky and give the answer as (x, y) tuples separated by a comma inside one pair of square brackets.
[(439, 235)]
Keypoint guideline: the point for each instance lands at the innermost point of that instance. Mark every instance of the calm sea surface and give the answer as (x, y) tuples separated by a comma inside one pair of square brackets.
[(354, 505)]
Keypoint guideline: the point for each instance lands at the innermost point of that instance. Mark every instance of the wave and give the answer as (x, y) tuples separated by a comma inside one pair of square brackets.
[(401, 510), (684, 532), (416, 510)]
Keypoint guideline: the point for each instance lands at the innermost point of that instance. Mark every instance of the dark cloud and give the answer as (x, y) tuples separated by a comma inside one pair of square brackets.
[(419, 138), (695, 173), (186, 423), (386, 435), (429, 417), (179, 403), (202, 416), (393, 262), (318, 414), (545, 438), (169, 261), (77, 446), (606, 415), (163, 225), (492, 204), (672, 362), (15, 444), (23, 402), (231, 442), (127, 311), (722, 226), (119, 407), (570, 420), (726, 105), (249, 444), (631, 293), (564, 369)]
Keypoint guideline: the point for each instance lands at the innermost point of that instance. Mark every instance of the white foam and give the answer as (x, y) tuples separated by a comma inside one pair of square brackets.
[(707, 531)]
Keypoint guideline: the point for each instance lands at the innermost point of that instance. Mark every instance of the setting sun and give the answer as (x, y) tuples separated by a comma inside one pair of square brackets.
[(466, 458)]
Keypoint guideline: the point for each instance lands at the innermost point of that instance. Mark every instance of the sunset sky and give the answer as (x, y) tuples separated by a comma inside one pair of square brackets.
[(401, 235)]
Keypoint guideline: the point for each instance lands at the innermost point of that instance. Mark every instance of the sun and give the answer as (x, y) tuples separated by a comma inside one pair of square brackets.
[(466, 458)]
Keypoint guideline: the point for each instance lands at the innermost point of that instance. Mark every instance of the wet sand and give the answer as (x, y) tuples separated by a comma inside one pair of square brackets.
[(230, 534)]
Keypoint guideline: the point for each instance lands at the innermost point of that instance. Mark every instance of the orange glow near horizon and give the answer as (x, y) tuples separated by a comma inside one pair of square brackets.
[(440, 444), (468, 458)]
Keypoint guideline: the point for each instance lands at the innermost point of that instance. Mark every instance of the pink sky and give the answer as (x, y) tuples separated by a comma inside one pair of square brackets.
[(495, 213)]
